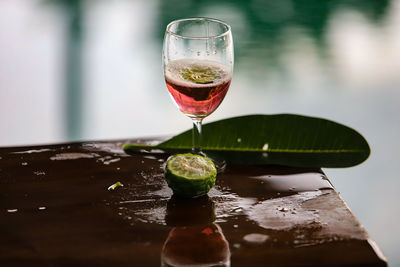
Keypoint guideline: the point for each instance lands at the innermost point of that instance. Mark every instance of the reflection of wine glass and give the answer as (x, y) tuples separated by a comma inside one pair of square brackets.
[(194, 239), (198, 65), (201, 245)]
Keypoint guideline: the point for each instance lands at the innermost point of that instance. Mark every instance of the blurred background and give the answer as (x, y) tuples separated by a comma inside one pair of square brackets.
[(87, 70)]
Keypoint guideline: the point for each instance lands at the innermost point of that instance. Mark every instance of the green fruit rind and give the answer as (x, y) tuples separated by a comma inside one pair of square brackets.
[(190, 175)]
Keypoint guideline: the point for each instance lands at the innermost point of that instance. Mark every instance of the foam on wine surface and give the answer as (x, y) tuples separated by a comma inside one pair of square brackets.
[(174, 68)]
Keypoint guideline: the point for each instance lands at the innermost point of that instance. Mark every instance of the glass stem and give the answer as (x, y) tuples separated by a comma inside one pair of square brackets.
[(196, 146)]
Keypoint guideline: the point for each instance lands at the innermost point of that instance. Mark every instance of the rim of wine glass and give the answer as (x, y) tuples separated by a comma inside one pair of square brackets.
[(199, 37)]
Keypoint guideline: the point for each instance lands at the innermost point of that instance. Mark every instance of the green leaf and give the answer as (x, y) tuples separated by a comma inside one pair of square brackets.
[(282, 139)]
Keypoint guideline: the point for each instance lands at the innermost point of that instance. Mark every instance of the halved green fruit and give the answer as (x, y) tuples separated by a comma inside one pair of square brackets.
[(190, 175), (199, 74)]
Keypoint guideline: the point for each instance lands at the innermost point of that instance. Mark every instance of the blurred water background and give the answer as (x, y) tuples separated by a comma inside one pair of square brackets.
[(88, 70)]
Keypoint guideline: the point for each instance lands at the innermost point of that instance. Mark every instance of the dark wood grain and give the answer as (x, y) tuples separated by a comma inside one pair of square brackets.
[(56, 210)]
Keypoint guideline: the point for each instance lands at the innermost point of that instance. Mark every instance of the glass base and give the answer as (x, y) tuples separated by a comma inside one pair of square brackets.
[(220, 165)]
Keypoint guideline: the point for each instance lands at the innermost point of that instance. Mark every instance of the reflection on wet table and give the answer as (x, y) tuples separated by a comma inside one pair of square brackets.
[(58, 209)]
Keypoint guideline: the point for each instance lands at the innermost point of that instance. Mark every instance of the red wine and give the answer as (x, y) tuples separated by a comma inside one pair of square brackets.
[(197, 86)]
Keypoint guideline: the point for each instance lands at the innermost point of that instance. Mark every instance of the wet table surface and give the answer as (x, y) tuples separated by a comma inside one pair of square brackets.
[(57, 210)]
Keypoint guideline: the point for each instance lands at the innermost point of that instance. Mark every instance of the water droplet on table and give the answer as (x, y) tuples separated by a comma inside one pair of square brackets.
[(256, 239), (283, 209), (236, 245), (12, 210)]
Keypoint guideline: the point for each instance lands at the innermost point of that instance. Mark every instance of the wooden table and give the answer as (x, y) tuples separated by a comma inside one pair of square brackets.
[(56, 210)]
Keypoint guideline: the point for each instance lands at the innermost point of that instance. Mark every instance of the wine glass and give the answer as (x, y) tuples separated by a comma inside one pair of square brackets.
[(198, 66)]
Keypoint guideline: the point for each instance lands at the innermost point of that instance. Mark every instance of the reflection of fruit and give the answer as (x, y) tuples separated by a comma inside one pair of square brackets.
[(196, 246), (190, 175), (190, 211)]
